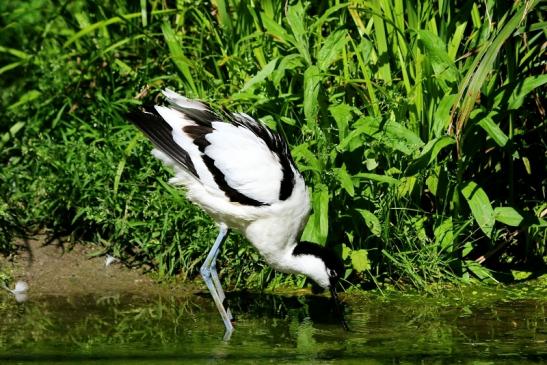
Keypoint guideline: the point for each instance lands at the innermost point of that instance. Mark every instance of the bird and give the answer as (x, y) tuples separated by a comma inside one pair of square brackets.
[(242, 174)]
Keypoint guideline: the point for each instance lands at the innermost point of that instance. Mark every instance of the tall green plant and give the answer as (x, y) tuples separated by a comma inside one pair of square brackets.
[(402, 116)]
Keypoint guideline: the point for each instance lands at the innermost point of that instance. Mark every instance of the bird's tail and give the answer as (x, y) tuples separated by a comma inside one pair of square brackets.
[(152, 124)]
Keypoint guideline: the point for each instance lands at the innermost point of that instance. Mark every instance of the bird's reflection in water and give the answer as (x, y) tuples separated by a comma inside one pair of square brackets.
[(315, 308)]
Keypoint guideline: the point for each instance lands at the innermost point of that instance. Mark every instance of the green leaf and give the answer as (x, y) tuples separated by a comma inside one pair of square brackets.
[(277, 31), (480, 206), (223, 14), (346, 251), (377, 177), (467, 248), (269, 121), (384, 70), (429, 154), (521, 275), (438, 182), (409, 139), (332, 48), (441, 119), (342, 114), (260, 76), (10, 66), (527, 166), (359, 260), (121, 164), (289, 62), (14, 129), (494, 131), (437, 56), (419, 227), (345, 180), (390, 133), (296, 17), (124, 68), (144, 15), (481, 272), (15, 52), (321, 201), (372, 222), (353, 140), (317, 228), (455, 41), (288, 121), (325, 16), (371, 164), (508, 215), (312, 86), (175, 193), (25, 99), (524, 88), (444, 235), (302, 152), (406, 185)]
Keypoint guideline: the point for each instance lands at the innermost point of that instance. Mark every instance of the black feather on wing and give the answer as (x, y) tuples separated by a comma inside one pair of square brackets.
[(160, 133)]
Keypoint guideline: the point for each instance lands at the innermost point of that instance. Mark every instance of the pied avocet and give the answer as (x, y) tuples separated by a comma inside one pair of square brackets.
[(242, 174)]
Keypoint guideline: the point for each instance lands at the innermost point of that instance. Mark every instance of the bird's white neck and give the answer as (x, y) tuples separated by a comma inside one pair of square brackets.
[(284, 254)]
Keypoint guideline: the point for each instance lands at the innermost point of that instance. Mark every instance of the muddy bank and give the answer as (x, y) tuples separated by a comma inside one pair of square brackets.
[(69, 269)]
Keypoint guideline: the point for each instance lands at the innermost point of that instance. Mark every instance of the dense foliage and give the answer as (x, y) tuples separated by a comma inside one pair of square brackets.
[(420, 129)]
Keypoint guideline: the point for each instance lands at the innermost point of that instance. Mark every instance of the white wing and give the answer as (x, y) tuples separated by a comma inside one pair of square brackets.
[(245, 161)]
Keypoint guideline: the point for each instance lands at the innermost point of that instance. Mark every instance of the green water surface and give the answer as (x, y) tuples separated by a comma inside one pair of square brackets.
[(473, 327)]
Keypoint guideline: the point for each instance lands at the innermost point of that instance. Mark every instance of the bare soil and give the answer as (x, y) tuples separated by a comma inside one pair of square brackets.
[(69, 269)]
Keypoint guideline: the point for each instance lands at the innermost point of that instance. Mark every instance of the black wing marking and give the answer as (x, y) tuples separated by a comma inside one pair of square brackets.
[(198, 133), (160, 133), (277, 145)]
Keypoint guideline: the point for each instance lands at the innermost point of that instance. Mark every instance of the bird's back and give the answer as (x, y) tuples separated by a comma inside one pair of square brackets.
[(234, 167)]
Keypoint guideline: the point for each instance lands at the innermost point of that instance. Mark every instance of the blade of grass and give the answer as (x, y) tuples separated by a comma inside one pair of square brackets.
[(177, 55), (380, 35)]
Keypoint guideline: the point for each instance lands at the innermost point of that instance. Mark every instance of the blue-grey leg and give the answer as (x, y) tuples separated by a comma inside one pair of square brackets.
[(218, 285), (209, 274)]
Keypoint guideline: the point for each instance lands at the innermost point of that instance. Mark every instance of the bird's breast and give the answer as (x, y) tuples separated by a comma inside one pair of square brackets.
[(274, 238)]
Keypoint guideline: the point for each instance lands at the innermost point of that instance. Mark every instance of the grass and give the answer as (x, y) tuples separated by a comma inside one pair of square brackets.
[(417, 127)]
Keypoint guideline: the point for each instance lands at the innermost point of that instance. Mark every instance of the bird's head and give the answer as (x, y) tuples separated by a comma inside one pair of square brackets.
[(321, 264)]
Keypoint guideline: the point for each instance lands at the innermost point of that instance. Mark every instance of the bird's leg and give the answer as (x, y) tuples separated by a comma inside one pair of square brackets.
[(218, 285), (209, 274)]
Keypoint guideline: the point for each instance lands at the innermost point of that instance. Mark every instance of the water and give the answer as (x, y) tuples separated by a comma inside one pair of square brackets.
[(398, 329)]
